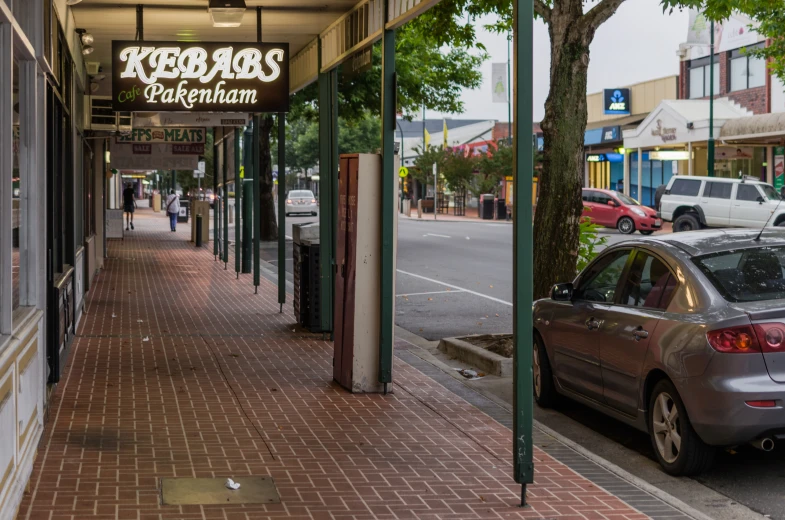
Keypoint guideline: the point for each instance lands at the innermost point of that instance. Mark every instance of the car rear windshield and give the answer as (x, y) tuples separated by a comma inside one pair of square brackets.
[(300, 194), (746, 275)]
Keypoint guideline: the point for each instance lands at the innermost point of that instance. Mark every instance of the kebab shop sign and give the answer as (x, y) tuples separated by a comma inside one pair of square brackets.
[(200, 77)]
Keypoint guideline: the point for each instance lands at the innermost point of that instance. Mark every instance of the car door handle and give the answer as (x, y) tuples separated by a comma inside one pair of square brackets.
[(593, 324), (639, 334)]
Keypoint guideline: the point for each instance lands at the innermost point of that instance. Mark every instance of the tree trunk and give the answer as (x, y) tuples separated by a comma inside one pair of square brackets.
[(269, 225), (556, 223)]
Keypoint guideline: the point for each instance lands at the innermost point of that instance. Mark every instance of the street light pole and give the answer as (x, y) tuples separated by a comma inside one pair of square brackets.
[(711, 105)]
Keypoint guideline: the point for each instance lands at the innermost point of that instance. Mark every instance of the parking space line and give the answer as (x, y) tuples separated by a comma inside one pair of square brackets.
[(406, 295), (497, 300)]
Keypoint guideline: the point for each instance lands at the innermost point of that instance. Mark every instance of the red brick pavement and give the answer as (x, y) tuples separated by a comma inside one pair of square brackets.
[(180, 370)]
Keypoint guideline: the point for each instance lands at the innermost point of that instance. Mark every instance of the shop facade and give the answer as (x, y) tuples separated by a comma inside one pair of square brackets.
[(50, 220), (610, 113)]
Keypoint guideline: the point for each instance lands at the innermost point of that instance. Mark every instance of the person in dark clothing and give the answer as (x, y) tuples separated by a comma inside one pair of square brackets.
[(129, 205), (658, 196)]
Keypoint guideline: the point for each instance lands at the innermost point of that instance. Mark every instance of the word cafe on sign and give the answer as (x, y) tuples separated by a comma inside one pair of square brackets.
[(200, 76)]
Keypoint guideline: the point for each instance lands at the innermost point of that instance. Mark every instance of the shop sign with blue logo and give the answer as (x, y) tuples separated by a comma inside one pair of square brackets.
[(617, 101)]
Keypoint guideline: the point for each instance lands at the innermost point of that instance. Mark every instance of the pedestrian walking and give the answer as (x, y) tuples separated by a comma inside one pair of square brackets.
[(173, 209), (129, 205)]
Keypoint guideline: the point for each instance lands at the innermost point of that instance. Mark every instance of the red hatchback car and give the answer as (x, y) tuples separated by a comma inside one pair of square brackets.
[(613, 209)]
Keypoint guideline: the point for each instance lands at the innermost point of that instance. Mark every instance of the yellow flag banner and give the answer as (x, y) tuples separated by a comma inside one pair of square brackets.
[(445, 133), (427, 138)]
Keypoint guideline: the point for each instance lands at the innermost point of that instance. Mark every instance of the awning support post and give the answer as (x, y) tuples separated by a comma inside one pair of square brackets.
[(238, 197), (523, 166), (216, 200), (225, 208), (389, 180), (281, 209), (257, 205), (328, 180)]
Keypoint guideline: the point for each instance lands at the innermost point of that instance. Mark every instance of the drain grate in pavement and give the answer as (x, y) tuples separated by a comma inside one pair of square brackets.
[(205, 491)]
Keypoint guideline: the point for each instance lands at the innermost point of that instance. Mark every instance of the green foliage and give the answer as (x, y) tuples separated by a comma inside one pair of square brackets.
[(458, 169), (423, 165), (589, 242), (362, 135), (493, 169)]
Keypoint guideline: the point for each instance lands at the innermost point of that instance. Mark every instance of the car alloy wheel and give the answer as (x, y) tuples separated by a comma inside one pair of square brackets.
[(666, 427), (626, 226)]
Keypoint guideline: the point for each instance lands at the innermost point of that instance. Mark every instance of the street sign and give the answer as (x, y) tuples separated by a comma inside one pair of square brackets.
[(198, 174), (403, 172), (201, 166)]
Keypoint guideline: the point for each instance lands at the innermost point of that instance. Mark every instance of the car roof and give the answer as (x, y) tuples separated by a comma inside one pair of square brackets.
[(603, 190), (704, 242), (749, 180)]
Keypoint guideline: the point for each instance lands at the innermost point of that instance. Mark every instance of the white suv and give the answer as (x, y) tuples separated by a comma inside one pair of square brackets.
[(698, 202)]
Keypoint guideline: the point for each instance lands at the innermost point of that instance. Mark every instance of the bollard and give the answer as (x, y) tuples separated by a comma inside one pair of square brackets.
[(199, 230)]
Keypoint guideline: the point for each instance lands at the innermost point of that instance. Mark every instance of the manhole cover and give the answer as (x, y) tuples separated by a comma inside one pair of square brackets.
[(201, 491)]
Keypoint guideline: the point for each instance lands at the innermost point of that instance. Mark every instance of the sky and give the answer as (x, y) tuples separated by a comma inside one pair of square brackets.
[(637, 44)]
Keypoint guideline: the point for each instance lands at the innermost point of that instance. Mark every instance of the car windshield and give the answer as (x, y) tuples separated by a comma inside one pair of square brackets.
[(770, 192), (302, 194), (627, 201), (746, 275)]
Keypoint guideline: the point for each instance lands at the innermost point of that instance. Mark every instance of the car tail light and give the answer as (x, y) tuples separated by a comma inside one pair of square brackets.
[(762, 404), (733, 340), (289, 201), (771, 336), (313, 201)]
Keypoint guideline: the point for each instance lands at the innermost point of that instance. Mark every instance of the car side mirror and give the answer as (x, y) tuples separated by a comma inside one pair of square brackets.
[(562, 292), (760, 200)]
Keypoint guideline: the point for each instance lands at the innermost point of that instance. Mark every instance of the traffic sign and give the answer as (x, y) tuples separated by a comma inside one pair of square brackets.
[(403, 172), (242, 172)]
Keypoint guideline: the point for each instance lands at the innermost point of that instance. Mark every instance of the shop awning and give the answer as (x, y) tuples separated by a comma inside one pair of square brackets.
[(761, 126), (619, 121), (677, 122)]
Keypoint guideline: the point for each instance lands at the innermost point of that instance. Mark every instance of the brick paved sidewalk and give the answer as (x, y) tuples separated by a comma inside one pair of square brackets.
[(180, 370)]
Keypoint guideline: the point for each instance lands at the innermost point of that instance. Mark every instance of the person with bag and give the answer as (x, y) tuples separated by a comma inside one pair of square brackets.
[(173, 208)]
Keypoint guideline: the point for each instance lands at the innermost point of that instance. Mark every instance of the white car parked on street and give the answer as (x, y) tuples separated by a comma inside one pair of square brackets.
[(703, 202), (301, 201)]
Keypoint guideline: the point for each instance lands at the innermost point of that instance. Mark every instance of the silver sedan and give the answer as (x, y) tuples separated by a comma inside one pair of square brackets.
[(682, 336), (301, 201)]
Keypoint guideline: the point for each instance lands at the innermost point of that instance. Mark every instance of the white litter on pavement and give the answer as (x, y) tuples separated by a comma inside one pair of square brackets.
[(146, 339), (231, 484), (468, 373), (114, 315)]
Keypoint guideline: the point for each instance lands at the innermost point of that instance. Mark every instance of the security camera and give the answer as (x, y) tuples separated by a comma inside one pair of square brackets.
[(690, 125)]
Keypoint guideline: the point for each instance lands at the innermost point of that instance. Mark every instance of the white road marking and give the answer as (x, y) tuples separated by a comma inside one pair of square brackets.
[(435, 235), (497, 300), (406, 295)]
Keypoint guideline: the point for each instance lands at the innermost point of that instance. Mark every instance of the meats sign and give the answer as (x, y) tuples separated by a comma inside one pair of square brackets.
[(200, 77)]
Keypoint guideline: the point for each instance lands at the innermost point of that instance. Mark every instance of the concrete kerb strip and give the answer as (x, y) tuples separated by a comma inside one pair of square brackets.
[(477, 356), (420, 351)]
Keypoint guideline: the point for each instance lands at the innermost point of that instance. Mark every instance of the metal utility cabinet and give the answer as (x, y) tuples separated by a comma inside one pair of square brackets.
[(358, 273)]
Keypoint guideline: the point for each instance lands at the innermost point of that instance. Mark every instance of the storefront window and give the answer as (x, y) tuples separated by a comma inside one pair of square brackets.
[(746, 71), (700, 78), (16, 193)]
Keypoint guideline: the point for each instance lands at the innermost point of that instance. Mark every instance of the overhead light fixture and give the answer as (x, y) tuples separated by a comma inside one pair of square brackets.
[(87, 49), (72, 2), (226, 13), (87, 39)]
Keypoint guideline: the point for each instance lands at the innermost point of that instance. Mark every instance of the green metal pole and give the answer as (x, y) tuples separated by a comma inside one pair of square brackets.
[(247, 187), (711, 104), (523, 164), (326, 201), (509, 105), (238, 197), (334, 166), (257, 206), (216, 207), (387, 293), (225, 233), (281, 209)]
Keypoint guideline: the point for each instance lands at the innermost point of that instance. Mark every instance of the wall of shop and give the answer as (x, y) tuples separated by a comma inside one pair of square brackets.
[(754, 99), (645, 97), (653, 174)]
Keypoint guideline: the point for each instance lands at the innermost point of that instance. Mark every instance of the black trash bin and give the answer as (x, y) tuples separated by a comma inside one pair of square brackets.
[(185, 210), (501, 209), (486, 206)]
